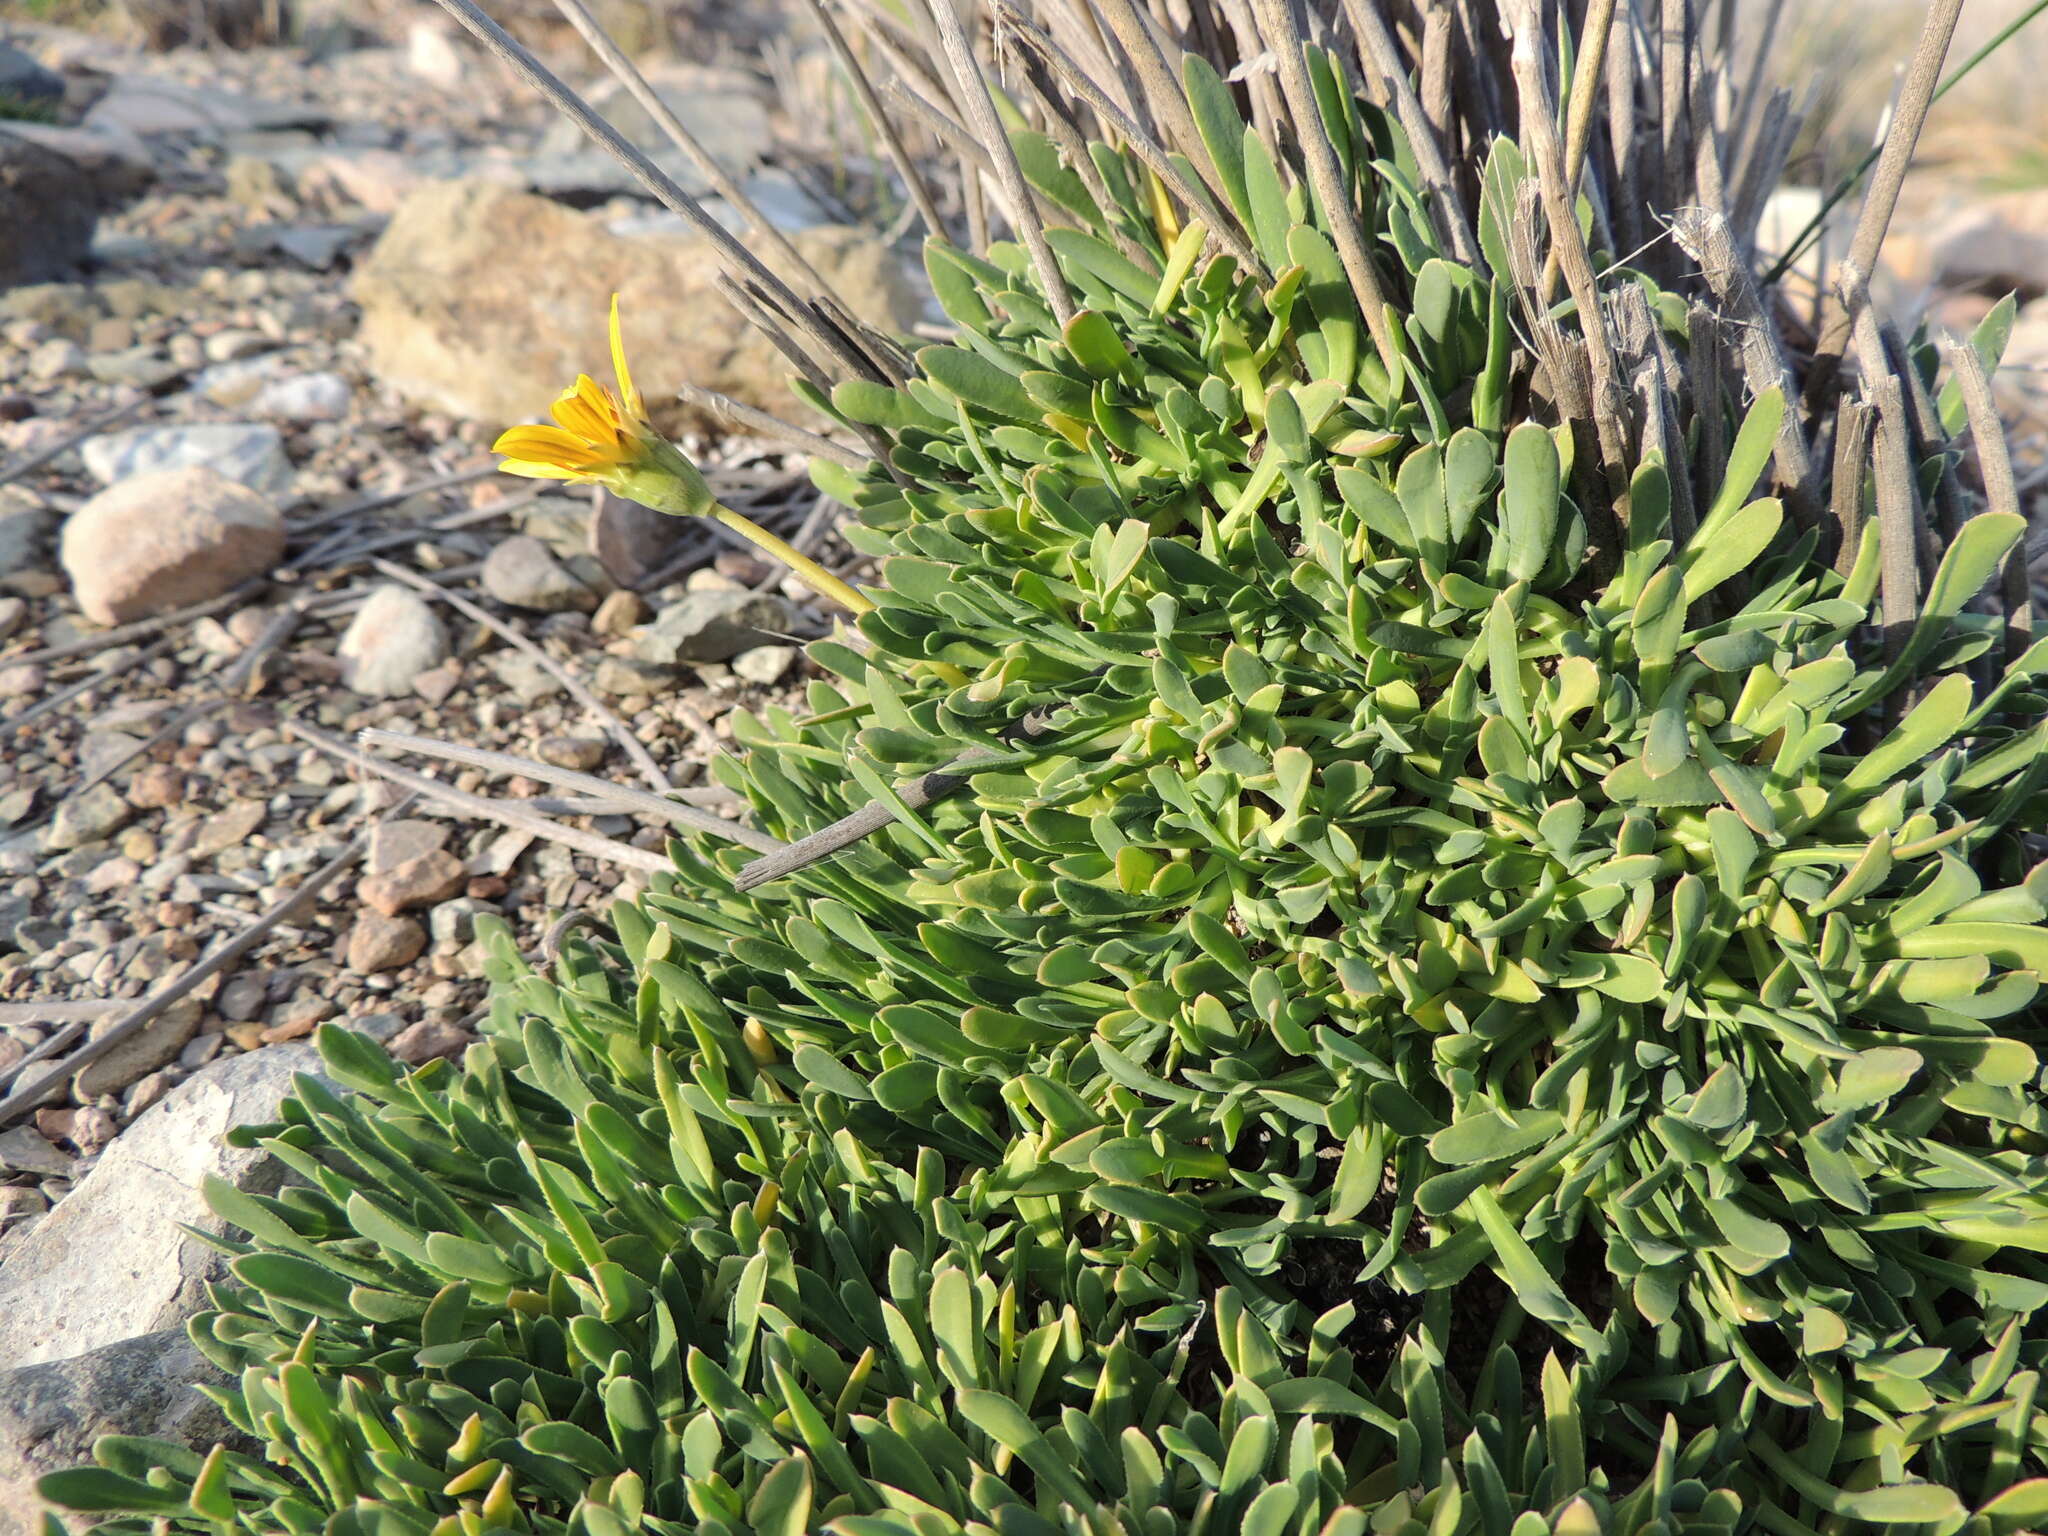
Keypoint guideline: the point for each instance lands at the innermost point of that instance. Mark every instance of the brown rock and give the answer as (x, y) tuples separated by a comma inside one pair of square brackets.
[(156, 1045), (1995, 244), (93, 1129), (483, 302), (394, 842), (417, 882), (581, 754), (382, 943), (167, 538), (230, 828), (19, 1200), (618, 614), (429, 1040), (156, 788), (630, 541)]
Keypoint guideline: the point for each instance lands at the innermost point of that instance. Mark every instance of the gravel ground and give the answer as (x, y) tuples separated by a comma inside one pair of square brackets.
[(161, 791)]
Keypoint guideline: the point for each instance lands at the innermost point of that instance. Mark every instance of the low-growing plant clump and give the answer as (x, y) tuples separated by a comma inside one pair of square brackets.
[(1452, 940)]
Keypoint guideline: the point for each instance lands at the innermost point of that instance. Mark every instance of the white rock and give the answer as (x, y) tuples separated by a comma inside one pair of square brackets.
[(432, 54), (307, 397), (394, 637), (110, 1262), (233, 346), (165, 538), (764, 664), (234, 385), (55, 359), (245, 453), (151, 104)]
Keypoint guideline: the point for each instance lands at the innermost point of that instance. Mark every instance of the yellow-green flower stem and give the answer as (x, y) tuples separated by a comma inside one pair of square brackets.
[(812, 574), (661, 477)]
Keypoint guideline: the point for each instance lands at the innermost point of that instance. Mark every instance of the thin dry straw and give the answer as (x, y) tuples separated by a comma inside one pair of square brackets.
[(620, 796), (973, 93), (1898, 512), (623, 69), (1610, 418), (1168, 102), (892, 140), (1818, 222), (1382, 61), (1075, 27), (874, 816), (739, 414), (1259, 85), (143, 1010), (1625, 196), (1709, 366), (1222, 230), (1758, 171), (1066, 133), (510, 813), (1929, 439), (1276, 22), (1853, 423), (1438, 28), (1705, 236), (1745, 124), (1674, 35), (1916, 96), (654, 178), (1900, 520), (1586, 73), (933, 119), (1994, 468)]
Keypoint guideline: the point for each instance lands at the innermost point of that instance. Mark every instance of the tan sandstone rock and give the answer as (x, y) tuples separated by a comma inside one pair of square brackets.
[(486, 302), (167, 538)]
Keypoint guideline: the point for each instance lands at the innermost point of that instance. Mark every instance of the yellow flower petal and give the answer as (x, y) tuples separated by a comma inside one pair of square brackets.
[(533, 469), (586, 420), (547, 444), (635, 408), (532, 433)]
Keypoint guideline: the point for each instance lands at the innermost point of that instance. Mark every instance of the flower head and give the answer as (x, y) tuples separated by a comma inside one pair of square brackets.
[(603, 435)]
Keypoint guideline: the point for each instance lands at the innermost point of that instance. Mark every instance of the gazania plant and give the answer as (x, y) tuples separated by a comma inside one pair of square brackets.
[(602, 436), (1414, 904)]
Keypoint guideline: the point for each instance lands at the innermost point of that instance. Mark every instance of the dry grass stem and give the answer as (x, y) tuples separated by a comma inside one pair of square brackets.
[(1902, 137), (509, 813), (619, 796), (212, 963), (617, 729)]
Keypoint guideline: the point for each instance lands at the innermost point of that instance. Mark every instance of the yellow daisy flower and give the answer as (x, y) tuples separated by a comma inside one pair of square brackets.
[(603, 436)]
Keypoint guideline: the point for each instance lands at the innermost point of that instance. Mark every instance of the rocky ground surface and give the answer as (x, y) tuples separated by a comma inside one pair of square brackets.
[(247, 511)]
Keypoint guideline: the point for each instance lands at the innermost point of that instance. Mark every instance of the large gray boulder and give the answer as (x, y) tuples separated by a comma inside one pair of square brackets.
[(51, 1413), (110, 1261)]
